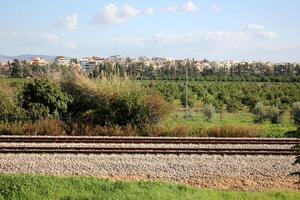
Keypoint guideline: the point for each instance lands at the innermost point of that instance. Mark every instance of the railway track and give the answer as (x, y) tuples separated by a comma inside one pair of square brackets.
[(144, 140), (144, 150)]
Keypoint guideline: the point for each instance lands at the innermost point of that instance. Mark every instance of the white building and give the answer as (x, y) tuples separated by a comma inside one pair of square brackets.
[(61, 60), (87, 64), (117, 58), (37, 61)]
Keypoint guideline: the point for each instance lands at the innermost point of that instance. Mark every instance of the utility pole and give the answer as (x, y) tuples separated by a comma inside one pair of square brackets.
[(187, 112)]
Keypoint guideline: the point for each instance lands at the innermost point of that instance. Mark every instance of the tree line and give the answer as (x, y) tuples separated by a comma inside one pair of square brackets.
[(245, 72)]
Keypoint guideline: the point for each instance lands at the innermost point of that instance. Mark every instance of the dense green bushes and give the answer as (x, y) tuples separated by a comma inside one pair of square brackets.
[(10, 109), (44, 99), (114, 102), (81, 100)]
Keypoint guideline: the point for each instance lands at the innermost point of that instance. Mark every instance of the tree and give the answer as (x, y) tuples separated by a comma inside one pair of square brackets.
[(208, 111), (191, 98), (42, 99), (16, 69)]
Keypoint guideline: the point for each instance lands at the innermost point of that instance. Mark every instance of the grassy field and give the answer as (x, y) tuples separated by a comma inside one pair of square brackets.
[(42, 187), (197, 121)]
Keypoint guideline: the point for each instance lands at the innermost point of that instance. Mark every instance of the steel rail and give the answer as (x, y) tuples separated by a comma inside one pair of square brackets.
[(139, 140), (147, 150)]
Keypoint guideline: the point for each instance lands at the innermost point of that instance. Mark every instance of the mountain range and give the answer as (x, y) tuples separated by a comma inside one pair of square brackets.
[(28, 57)]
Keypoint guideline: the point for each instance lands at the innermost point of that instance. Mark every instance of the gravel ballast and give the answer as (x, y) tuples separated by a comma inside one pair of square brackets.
[(249, 172)]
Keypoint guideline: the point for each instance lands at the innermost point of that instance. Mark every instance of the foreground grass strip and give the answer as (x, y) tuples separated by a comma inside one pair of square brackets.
[(48, 187)]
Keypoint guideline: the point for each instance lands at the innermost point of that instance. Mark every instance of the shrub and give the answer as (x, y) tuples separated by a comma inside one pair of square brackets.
[(88, 130), (260, 113), (42, 98), (157, 107), (10, 110), (114, 102), (154, 130), (39, 127), (296, 113), (232, 105), (234, 131), (180, 131), (208, 111), (275, 115), (57, 127), (191, 98)]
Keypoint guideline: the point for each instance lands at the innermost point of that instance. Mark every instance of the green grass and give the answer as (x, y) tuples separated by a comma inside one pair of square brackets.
[(47, 187), (240, 119)]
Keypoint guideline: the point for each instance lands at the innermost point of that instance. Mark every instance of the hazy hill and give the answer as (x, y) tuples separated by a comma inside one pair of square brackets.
[(4, 58)]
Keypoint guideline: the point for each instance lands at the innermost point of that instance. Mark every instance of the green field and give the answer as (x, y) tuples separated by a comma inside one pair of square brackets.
[(245, 119), (44, 187)]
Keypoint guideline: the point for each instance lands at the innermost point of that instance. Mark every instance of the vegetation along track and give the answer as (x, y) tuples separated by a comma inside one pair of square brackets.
[(146, 150)]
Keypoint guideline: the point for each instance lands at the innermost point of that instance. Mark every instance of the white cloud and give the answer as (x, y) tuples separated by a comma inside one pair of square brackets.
[(252, 42), (8, 34), (255, 27), (70, 22), (49, 38), (187, 7), (29, 38), (172, 9), (252, 32), (113, 14), (149, 11), (71, 45), (215, 8), (259, 31)]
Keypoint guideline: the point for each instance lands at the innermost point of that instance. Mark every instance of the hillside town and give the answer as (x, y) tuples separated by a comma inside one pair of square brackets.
[(89, 63)]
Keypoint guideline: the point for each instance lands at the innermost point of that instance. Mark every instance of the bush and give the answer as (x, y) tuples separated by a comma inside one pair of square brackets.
[(114, 102), (260, 113), (296, 113), (39, 127), (56, 127), (42, 99), (156, 107), (180, 131), (275, 115), (154, 130), (208, 111), (234, 131), (232, 105), (10, 110), (192, 98)]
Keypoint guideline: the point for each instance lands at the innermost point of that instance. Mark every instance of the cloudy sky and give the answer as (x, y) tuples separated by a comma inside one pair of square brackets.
[(212, 29)]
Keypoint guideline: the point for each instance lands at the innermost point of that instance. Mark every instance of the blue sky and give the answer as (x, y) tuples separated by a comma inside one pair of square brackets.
[(266, 30)]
